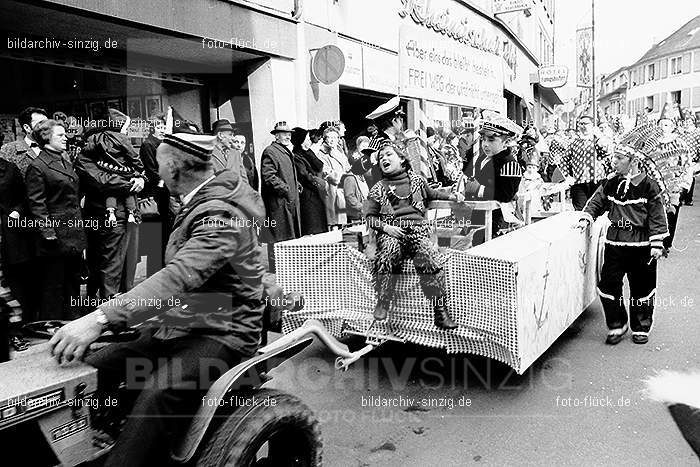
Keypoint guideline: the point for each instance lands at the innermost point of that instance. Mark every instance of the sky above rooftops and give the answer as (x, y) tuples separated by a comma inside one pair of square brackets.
[(625, 30)]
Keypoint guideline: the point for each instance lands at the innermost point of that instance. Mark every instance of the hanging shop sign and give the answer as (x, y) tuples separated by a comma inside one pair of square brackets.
[(507, 6), (472, 30), (553, 76), (431, 67)]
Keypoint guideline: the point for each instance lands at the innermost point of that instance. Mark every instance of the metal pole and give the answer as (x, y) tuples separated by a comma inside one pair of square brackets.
[(593, 96)]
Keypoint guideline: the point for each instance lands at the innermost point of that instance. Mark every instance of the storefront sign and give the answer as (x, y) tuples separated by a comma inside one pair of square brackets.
[(432, 68), (553, 76), (352, 75), (507, 6), (473, 31), (379, 70)]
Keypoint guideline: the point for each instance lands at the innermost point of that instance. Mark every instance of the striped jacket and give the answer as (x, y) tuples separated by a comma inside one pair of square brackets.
[(635, 208)]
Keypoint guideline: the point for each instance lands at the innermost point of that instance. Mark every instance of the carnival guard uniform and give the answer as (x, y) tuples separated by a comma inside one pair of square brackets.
[(638, 223)]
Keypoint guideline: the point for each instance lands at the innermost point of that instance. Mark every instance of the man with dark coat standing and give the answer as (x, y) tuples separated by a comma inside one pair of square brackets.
[(280, 191), (155, 229), (112, 246)]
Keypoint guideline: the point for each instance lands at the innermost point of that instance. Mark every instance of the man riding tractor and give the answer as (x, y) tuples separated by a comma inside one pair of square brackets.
[(203, 311)]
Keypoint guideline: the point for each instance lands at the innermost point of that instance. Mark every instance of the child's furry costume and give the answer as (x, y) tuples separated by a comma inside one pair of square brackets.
[(400, 200)]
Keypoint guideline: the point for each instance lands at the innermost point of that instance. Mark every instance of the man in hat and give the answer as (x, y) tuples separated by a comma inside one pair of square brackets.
[(495, 174), (208, 302), (587, 161), (389, 118), (634, 243), (225, 156), (280, 191)]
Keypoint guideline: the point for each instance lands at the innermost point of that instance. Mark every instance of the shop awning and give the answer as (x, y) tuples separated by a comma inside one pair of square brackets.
[(550, 96)]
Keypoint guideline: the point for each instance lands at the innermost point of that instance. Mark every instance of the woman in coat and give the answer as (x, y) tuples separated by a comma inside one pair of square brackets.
[(312, 199), (54, 202), (335, 165)]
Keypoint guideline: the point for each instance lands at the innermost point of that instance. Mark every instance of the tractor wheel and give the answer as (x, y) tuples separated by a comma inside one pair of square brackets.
[(276, 430)]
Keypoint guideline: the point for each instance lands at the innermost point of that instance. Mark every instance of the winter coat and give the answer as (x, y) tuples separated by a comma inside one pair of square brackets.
[(280, 193), (16, 244), (54, 202), (213, 267), (312, 199)]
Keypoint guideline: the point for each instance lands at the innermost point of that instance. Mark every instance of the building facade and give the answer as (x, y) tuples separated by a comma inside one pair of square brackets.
[(668, 72), (612, 93), (250, 61)]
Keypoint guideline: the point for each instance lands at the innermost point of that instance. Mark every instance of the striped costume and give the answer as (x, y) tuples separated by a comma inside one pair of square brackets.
[(638, 224)]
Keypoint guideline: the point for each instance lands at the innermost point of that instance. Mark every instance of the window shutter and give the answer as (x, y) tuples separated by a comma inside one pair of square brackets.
[(685, 97), (656, 99), (663, 68), (696, 96), (696, 61), (686, 62), (641, 75)]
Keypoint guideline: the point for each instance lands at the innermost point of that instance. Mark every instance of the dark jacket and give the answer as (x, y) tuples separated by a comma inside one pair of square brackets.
[(153, 187), (19, 153), (500, 176), (17, 243), (54, 201), (251, 170), (312, 199), (636, 211), (213, 266), (96, 183), (280, 194), (224, 158)]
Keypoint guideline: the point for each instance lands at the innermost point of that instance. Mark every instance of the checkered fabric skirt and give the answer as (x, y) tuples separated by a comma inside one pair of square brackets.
[(336, 282)]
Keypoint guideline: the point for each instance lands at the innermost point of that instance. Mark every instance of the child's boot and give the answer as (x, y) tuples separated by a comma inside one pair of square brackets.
[(443, 319), (381, 310)]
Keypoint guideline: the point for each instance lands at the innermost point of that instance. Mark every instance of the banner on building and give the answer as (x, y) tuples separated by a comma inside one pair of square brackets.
[(506, 6), (584, 57), (437, 69)]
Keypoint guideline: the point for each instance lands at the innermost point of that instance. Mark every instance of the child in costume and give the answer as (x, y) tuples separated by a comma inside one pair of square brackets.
[(395, 209), (532, 182), (634, 241)]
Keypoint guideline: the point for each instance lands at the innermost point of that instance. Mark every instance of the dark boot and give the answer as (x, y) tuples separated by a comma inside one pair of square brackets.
[(381, 310), (443, 320)]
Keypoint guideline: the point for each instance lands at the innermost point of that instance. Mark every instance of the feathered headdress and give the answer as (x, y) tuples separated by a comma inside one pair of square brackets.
[(639, 143)]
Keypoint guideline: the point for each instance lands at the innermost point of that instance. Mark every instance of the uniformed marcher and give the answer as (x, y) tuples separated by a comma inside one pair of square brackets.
[(691, 135), (389, 118), (495, 173), (207, 301), (634, 241)]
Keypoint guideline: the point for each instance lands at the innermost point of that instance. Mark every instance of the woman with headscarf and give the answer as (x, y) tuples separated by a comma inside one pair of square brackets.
[(313, 188)]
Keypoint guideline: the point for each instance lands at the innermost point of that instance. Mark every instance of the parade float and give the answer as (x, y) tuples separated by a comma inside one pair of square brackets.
[(511, 296)]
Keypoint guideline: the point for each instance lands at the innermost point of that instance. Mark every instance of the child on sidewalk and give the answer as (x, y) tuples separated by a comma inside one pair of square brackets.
[(395, 209), (633, 244)]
